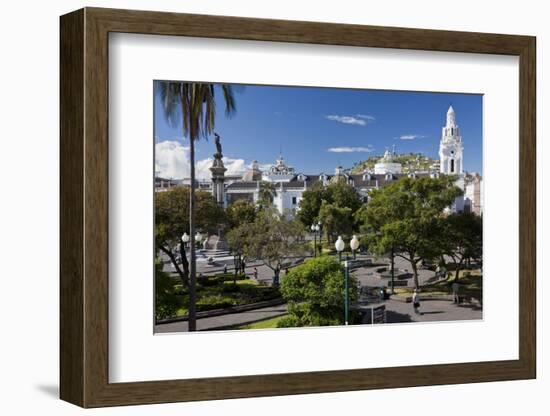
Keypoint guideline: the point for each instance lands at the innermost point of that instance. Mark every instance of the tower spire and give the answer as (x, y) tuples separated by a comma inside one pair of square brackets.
[(451, 117), (451, 147)]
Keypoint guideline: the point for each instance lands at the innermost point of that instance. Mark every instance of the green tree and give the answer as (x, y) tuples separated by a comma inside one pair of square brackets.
[(172, 220), (237, 239), (407, 216), (310, 204), (166, 301), (273, 239), (343, 195), (194, 106), (339, 196), (267, 194), (463, 238), (315, 292), (240, 212), (336, 220)]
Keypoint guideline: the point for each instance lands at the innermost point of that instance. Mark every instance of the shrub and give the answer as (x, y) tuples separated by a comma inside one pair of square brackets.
[(214, 302), (315, 291), (167, 301)]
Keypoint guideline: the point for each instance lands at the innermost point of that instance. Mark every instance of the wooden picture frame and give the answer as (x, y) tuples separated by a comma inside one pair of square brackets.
[(84, 207)]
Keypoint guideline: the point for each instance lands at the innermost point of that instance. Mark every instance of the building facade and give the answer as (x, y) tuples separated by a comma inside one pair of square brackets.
[(290, 185)]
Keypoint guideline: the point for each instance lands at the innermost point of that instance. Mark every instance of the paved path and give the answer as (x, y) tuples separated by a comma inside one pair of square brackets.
[(432, 310), (223, 321)]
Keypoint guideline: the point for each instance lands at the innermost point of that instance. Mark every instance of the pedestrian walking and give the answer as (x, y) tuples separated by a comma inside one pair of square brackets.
[(255, 273), (455, 288), (225, 269), (416, 302)]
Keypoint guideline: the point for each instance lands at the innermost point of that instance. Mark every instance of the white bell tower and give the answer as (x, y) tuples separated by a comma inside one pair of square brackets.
[(451, 148)]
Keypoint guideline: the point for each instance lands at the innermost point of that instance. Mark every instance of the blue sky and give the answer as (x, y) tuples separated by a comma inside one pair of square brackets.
[(321, 128)]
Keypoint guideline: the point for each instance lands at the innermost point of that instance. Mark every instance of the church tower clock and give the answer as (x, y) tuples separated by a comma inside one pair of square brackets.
[(451, 147)]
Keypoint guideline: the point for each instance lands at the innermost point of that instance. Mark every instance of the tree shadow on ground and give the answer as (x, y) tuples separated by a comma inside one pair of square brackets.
[(470, 306), (393, 317)]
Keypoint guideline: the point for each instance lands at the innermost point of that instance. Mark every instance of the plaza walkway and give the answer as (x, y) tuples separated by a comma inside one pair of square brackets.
[(225, 321), (431, 311)]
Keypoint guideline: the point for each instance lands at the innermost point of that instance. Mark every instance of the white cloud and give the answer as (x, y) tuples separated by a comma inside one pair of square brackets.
[(411, 136), (358, 119), (172, 161), (347, 149), (366, 117)]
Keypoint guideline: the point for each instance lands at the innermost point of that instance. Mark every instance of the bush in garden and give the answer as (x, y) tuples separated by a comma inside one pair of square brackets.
[(315, 292)]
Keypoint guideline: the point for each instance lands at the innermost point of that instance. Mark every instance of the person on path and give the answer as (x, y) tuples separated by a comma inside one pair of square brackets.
[(416, 302), (455, 288), (225, 269), (255, 273)]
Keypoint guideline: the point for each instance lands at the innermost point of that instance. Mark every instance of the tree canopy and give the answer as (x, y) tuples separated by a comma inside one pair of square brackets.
[(172, 214), (408, 217), (267, 194), (340, 201), (463, 239), (172, 220), (315, 291), (240, 212), (271, 238)]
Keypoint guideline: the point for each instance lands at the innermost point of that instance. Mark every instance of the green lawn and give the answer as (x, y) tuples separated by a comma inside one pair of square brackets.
[(218, 292), (265, 324), (471, 285)]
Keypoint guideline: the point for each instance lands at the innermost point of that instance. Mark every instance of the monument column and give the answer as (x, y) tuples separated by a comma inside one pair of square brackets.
[(218, 174)]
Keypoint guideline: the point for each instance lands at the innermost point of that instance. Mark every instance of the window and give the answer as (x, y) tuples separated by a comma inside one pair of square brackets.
[(293, 200), (452, 166)]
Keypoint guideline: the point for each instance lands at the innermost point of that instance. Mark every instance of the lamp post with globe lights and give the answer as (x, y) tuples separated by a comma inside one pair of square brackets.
[(185, 239), (198, 238), (183, 246), (354, 244), (315, 228), (339, 245)]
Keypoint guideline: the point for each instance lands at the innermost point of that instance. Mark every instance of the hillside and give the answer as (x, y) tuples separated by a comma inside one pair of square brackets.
[(409, 161)]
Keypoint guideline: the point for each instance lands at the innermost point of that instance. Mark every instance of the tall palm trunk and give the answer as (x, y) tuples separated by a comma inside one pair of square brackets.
[(192, 322)]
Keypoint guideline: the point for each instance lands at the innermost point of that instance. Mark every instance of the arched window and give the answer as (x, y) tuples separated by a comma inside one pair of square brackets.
[(452, 166)]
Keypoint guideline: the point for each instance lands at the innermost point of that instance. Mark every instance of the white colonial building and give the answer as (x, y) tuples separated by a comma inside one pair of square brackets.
[(387, 164), (290, 185)]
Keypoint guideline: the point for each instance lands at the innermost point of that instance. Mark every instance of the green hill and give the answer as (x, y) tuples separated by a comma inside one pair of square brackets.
[(409, 161)]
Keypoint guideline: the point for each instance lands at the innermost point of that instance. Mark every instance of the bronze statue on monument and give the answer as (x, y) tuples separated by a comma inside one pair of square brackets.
[(218, 154)]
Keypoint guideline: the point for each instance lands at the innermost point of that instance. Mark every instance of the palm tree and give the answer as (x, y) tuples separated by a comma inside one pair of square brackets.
[(196, 105), (266, 194)]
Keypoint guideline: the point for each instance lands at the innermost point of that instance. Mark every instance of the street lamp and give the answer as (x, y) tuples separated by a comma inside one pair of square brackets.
[(354, 244), (392, 271), (198, 237), (315, 228), (346, 293), (339, 245), (185, 239)]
